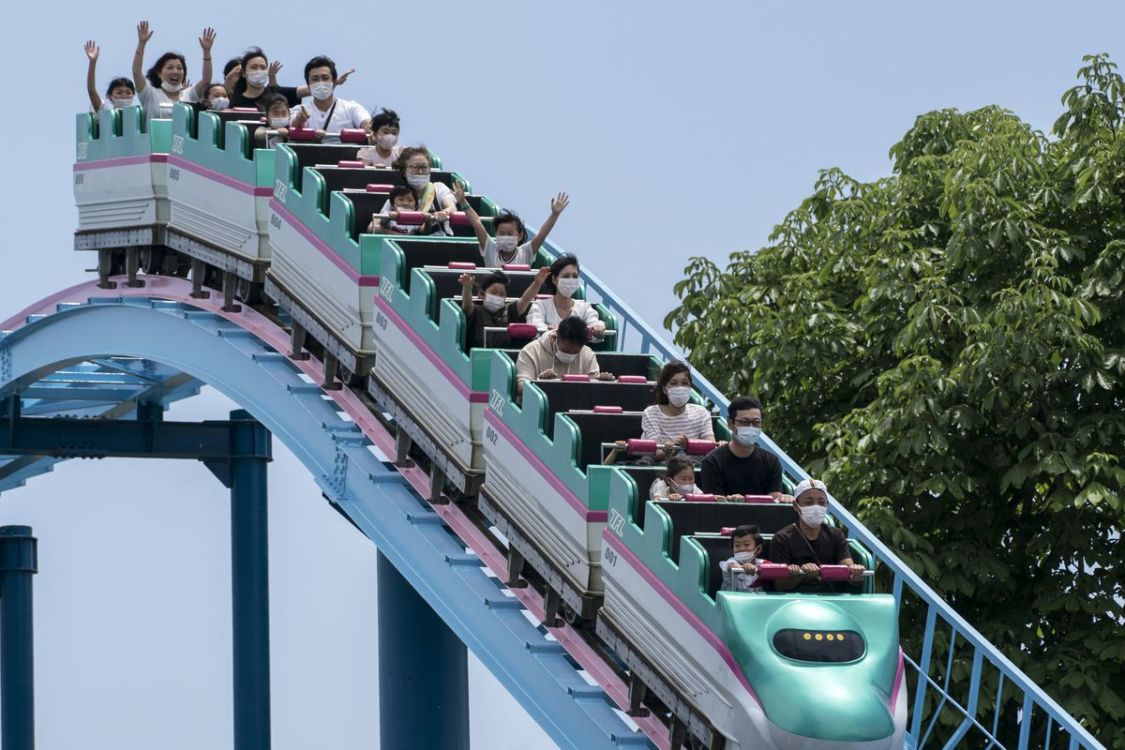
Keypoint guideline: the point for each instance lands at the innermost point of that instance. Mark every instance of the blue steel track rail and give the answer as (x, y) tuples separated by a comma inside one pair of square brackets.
[(213, 348)]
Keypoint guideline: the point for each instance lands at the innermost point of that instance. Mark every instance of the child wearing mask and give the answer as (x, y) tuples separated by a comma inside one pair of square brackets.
[(547, 314), (740, 572), (276, 108), (678, 480), (510, 245), (384, 148), (494, 309), (401, 198), (120, 91)]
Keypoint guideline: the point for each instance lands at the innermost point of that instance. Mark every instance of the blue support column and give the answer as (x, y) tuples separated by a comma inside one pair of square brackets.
[(249, 528), (18, 562), (423, 671)]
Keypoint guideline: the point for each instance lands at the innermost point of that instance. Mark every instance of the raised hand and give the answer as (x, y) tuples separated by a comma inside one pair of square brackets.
[(300, 118), (207, 39), (344, 78), (92, 50), (459, 192), (144, 33), (275, 66), (466, 280), (542, 274), (559, 202)]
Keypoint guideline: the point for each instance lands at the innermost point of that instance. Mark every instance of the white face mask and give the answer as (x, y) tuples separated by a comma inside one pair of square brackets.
[(567, 287), (813, 515), (279, 122), (565, 357), (678, 395), (258, 79), (417, 181), (747, 436), (220, 103), (386, 141), (171, 88), (687, 489), (321, 90), (493, 302), (506, 243), (122, 103), (744, 557)]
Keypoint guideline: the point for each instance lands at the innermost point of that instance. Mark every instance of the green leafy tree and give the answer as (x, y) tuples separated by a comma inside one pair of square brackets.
[(946, 346)]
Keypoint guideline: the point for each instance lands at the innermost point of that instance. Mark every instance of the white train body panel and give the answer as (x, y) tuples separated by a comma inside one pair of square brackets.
[(435, 397), (566, 531), (326, 286), (121, 193), (219, 211)]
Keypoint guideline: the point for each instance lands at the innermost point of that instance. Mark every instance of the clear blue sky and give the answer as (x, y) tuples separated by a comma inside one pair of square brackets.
[(639, 110)]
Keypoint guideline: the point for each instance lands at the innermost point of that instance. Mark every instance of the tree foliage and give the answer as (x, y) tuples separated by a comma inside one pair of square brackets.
[(946, 346)]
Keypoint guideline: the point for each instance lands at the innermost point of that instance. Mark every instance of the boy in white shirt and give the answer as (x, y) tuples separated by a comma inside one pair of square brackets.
[(740, 573), (510, 245)]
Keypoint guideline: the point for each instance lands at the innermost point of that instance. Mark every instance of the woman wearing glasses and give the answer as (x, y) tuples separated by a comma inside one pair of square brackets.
[(434, 198)]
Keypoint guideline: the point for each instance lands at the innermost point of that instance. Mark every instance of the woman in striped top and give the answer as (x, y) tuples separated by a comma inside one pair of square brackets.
[(671, 419)]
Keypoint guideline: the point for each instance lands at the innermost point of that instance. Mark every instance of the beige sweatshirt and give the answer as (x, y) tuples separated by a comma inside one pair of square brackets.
[(539, 356)]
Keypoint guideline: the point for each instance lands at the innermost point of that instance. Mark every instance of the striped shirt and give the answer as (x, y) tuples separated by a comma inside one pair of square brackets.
[(695, 423)]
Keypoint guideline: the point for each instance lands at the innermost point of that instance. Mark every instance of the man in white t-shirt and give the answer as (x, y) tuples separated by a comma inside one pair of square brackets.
[(324, 110)]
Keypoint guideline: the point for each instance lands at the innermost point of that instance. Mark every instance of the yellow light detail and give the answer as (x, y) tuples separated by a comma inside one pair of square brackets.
[(819, 637), (808, 636), (831, 637), (840, 636)]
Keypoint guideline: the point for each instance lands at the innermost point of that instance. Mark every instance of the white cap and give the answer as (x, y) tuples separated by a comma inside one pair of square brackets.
[(809, 484)]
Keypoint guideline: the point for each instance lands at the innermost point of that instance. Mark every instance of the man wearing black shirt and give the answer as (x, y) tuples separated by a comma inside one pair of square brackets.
[(809, 543), (740, 467)]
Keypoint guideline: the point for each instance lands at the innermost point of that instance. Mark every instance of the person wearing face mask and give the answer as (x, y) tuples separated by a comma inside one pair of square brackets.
[(327, 111), (118, 94), (510, 245), (494, 309), (548, 313), (166, 82), (671, 418), (253, 76), (678, 480), (740, 572), (434, 198), (383, 136), (277, 120), (742, 467), (809, 542), (560, 352)]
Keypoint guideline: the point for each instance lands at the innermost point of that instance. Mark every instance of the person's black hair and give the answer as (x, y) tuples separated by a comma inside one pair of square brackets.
[(573, 329), (241, 84), (122, 81), (742, 403), (510, 217), (496, 277), (401, 190), (386, 117), (268, 99), (670, 371), (560, 263), (675, 465), (321, 61), (153, 74), (232, 63), (747, 529)]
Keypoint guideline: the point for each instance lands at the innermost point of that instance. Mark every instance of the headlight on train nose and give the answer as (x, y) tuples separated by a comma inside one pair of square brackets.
[(819, 645)]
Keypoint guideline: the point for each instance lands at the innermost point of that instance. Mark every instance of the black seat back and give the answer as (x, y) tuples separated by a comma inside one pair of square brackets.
[(718, 548), (311, 154), (423, 251), (339, 178), (601, 428), (690, 518), (630, 364), (447, 285), (228, 116), (565, 396)]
